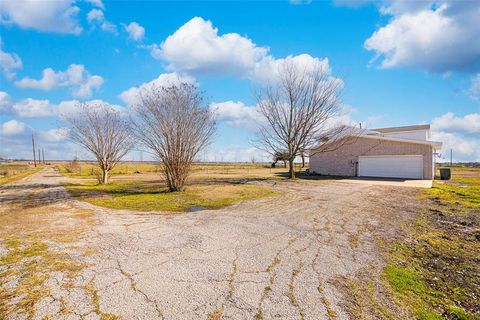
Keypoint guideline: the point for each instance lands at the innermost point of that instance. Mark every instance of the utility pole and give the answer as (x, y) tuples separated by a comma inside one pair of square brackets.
[(39, 156), (43, 155), (33, 148), (451, 157)]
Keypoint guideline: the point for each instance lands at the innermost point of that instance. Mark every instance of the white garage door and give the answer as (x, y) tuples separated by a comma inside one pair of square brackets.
[(409, 167)]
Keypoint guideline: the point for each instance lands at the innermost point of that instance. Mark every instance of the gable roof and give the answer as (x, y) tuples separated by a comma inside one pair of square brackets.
[(405, 128)]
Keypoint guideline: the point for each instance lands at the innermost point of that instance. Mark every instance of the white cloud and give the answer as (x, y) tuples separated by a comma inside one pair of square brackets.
[(108, 26), (131, 96), (469, 123), (95, 15), (76, 76), (135, 31), (461, 134), (49, 16), (475, 87), (6, 103), (235, 114), (298, 2), (96, 3), (96, 18), (233, 153), (13, 127), (35, 108), (267, 69), (32, 108), (464, 148), (197, 47), (54, 135), (9, 62), (438, 36)]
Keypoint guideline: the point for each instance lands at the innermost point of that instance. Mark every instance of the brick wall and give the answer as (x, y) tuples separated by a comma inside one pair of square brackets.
[(341, 162)]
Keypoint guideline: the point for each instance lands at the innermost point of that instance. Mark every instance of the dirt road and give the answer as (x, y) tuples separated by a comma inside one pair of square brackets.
[(298, 255)]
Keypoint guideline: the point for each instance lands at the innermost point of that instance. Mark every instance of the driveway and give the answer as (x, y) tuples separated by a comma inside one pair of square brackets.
[(391, 182), (291, 256)]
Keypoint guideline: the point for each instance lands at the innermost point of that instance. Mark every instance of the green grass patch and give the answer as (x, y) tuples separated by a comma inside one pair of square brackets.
[(434, 271), (10, 173), (462, 189), (91, 170), (143, 196)]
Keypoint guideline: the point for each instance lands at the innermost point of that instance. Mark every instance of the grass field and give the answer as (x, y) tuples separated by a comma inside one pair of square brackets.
[(15, 171), (147, 196), (139, 186), (435, 271)]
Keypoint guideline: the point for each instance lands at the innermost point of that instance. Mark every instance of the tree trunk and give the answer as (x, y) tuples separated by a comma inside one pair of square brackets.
[(104, 176), (284, 164), (303, 161), (291, 169)]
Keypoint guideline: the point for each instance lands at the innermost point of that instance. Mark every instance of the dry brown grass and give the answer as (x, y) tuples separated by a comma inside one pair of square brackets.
[(32, 238)]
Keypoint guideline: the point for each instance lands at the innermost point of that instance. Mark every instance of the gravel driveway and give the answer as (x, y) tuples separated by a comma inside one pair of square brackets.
[(291, 256)]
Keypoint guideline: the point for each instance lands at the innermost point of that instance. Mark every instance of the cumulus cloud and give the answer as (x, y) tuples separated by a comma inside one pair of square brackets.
[(474, 90), (9, 62), (135, 31), (298, 2), (15, 137), (43, 108), (465, 149), (235, 114), (267, 70), (438, 36), (32, 108), (13, 127), (131, 96), (459, 133), (58, 16), (469, 123), (76, 77), (96, 3), (5, 103), (233, 153), (54, 135), (197, 47), (96, 17)]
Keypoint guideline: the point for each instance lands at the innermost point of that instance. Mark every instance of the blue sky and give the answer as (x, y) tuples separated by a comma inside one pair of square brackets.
[(401, 63)]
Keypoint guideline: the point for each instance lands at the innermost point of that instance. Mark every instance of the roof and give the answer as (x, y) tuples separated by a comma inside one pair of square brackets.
[(435, 144), (405, 128)]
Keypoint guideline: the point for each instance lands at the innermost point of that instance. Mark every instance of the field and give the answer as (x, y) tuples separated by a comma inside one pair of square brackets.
[(140, 186), (435, 269), (15, 171), (307, 249)]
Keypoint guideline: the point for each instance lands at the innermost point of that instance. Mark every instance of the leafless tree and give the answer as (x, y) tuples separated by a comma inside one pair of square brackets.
[(175, 125), (102, 130), (298, 110)]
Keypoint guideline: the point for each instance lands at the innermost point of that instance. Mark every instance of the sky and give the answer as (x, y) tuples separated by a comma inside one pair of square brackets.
[(401, 63)]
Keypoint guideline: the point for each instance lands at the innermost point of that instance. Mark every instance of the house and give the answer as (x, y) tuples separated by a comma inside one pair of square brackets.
[(398, 152)]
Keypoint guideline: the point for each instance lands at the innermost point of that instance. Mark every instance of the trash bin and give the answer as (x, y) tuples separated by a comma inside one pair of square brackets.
[(445, 174)]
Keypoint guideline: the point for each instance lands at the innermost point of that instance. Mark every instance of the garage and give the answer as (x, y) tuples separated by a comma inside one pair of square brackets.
[(391, 166)]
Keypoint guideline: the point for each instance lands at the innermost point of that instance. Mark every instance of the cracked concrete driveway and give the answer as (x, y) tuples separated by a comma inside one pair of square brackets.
[(290, 256)]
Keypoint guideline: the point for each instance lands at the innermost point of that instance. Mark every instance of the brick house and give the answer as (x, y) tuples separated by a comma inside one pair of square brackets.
[(398, 152)]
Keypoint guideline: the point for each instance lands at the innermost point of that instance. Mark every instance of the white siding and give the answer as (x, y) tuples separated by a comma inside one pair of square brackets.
[(411, 135)]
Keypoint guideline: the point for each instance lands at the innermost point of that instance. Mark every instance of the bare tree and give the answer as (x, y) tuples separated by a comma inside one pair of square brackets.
[(298, 111), (102, 130), (175, 125)]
